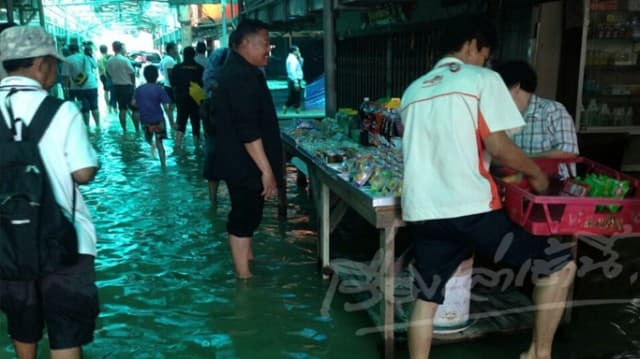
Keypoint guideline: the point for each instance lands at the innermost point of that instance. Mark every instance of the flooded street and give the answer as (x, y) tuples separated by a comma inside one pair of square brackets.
[(165, 275), (167, 288)]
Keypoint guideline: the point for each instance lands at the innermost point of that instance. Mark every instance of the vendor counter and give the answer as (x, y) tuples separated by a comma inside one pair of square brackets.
[(337, 166), (382, 210)]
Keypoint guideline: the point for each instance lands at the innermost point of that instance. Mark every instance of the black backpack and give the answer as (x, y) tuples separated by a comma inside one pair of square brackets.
[(36, 238), (208, 105)]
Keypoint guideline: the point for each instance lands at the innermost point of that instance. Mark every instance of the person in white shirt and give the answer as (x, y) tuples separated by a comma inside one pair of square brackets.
[(456, 119), (123, 78), (65, 301), (295, 78), (201, 54), (168, 62)]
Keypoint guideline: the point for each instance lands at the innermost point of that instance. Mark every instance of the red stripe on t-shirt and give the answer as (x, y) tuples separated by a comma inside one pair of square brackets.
[(440, 95), (481, 133)]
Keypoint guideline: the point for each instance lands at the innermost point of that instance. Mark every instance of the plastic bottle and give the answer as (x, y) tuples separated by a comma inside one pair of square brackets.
[(628, 117), (618, 116), (364, 107), (583, 116), (635, 26), (592, 113), (605, 115), (365, 122)]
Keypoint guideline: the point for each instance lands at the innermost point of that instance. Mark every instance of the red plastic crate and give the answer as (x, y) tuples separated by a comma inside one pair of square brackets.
[(564, 215)]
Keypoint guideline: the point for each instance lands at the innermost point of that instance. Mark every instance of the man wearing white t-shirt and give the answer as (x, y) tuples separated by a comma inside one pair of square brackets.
[(455, 119), (123, 78), (168, 62), (295, 78), (65, 301)]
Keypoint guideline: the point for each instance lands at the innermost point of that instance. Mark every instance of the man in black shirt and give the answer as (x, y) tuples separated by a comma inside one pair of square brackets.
[(248, 148), (182, 77)]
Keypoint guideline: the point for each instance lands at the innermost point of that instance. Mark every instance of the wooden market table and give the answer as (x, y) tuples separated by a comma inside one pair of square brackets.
[(383, 213)]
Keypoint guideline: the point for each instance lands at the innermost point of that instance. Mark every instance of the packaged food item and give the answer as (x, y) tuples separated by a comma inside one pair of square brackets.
[(517, 179), (394, 187), (575, 188), (604, 186), (380, 178), (514, 178), (363, 174), (333, 157), (304, 124)]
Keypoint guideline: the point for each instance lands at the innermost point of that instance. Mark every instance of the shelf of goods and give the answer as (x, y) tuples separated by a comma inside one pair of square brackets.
[(609, 91)]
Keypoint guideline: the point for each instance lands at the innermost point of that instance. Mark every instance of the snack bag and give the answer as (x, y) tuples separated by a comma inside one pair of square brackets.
[(363, 174), (604, 186), (575, 188)]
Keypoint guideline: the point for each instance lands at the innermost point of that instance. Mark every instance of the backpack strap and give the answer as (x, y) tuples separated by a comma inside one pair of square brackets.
[(36, 129), (5, 131), (41, 120)]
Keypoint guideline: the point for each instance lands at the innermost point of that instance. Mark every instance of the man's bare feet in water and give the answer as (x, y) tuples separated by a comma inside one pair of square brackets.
[(245, 276), (531, 355)]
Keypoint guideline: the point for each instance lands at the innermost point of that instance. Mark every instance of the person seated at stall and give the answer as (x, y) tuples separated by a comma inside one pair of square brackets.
[(549, 130)]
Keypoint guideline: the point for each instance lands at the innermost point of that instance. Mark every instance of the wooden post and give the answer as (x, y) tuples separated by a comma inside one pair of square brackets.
[(387, 240), (325, 229), (282, 190)]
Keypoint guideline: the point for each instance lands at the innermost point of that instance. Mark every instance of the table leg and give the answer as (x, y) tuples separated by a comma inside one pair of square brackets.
[(282, 190), (387, 241), (337, 214), (325, 227)]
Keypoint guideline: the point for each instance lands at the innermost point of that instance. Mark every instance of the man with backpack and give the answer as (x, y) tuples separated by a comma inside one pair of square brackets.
[(44, 140)]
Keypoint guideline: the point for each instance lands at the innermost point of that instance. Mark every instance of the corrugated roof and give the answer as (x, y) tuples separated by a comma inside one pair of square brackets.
[(113, 15)]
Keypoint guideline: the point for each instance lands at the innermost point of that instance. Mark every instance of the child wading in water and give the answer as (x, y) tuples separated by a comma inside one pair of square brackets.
[(148, 100)]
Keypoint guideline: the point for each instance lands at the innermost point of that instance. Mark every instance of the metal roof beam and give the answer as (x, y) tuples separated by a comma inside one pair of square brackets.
[(91, 3)]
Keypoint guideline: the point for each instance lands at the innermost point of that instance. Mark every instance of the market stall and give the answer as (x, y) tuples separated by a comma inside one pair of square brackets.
[(378, 204), (344, 173)]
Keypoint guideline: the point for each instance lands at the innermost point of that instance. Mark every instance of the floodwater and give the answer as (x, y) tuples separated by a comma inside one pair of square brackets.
[(167, 288)]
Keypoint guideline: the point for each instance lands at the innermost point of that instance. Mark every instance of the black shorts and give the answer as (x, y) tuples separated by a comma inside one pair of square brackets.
[(209, 158), (247, 204), (66, 301), (106, 83), (441, 245), (124, 95), (88, 99)]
